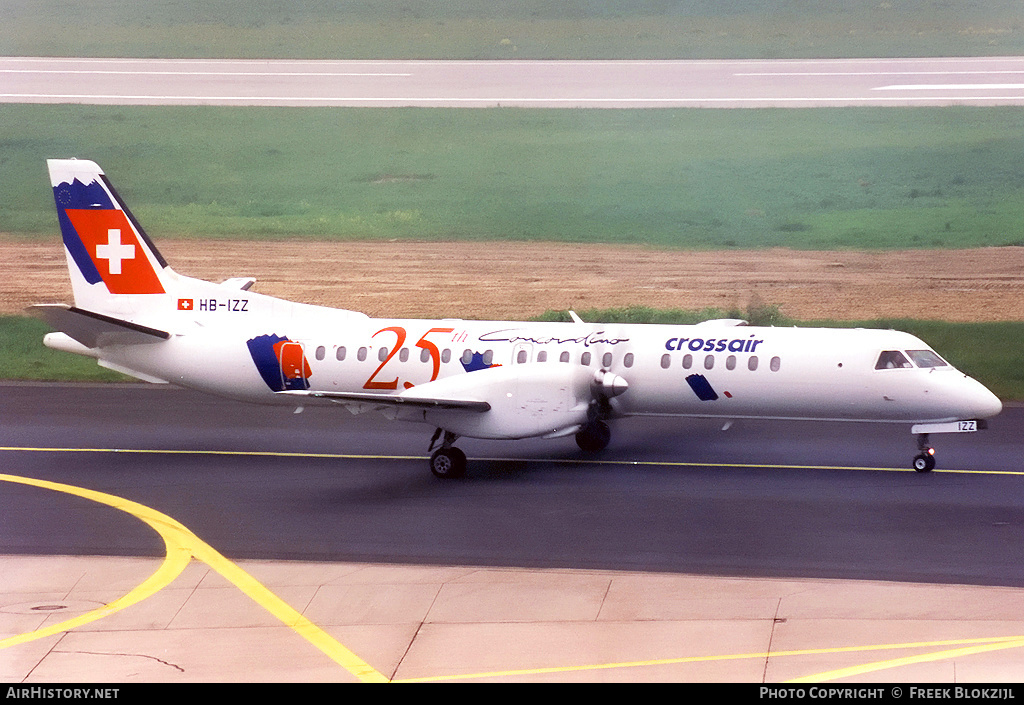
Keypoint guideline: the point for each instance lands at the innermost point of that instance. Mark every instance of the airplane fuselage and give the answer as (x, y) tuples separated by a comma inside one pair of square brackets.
[(483, 379), (716, 369)]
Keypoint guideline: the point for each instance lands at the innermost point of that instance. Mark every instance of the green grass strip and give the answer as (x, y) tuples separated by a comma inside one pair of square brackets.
[(524, 29), (812, 179)]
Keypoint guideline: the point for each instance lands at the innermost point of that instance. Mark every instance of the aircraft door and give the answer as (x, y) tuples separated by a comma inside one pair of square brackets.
[(294, 367)]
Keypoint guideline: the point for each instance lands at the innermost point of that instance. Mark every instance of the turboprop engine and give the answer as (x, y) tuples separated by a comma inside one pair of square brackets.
[(533, 399)]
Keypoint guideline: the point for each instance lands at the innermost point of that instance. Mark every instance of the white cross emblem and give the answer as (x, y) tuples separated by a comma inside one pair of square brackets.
[(114, 251)]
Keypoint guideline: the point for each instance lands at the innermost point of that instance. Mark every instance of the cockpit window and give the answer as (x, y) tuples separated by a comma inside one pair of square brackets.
[(892, 359), (926, 358)]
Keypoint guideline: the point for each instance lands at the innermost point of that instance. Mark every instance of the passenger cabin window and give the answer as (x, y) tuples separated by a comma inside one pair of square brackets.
[(752, 363), (730, 362), (687, 361), (709, 362), (666, 360), (606, 360), (891, 360), (424, 355), (775, 364), (521, 357), (340, 353), (403, 355), (382, 354), (627, 361), (564, 357), (585, 359), (321, 352), (542, 356), (361, 354), (926, 358)]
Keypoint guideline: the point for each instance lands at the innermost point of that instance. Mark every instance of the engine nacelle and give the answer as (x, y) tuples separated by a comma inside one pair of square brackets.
[(526, 400), (608, 384)]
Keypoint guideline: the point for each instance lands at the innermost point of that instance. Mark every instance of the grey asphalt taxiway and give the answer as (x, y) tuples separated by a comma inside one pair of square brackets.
[(767, 552)]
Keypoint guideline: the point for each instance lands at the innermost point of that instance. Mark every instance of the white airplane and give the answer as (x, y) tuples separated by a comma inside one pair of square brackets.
[(480, 379)]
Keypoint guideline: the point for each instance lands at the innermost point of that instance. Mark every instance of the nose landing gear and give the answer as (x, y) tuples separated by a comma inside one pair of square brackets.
[(924, 461)]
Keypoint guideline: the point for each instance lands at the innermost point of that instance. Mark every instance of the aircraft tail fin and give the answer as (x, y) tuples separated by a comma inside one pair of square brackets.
[(110, 257)]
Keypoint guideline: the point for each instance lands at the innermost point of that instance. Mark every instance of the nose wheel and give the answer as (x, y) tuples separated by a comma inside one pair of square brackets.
[(924, 461)]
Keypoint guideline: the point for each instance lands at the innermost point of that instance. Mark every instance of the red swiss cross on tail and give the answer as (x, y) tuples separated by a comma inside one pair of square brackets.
[(111, 242)]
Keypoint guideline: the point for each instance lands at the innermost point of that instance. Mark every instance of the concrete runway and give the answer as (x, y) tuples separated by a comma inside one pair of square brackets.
[(540, 84), (762, 554)]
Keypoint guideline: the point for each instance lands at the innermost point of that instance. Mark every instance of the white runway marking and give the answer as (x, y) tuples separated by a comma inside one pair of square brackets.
[(954, 87), (771, 74), (94, 72)]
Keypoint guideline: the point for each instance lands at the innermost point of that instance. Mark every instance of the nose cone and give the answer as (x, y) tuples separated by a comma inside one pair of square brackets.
[(979, 402), (988, 403), (955, 396)]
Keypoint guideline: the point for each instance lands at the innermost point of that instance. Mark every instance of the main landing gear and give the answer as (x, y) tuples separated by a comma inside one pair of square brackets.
[(594, 437), (447, 462), (924, 461)]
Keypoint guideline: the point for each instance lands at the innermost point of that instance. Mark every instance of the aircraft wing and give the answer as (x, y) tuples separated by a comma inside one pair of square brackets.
[(95, 329), (394, 400)]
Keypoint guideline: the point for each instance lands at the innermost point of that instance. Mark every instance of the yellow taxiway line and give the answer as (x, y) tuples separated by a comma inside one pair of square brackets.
[(549, 461), (967, 647), (182, 546)]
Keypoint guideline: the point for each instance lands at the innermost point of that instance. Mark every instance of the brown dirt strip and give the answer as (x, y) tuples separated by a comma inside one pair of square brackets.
[(515, 280)]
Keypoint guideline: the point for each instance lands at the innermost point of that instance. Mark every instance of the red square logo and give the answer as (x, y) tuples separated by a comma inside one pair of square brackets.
[(110, 240)]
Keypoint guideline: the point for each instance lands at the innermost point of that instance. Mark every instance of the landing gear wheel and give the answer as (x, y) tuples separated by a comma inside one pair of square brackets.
[(924, 462), (448, 463), (594, 437)]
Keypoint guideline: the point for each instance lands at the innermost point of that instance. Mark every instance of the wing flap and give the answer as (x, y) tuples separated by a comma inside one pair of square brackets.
[(95, 330), (394, 400)]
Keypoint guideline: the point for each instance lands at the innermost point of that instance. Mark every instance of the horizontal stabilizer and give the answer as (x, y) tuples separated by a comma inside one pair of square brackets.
[(95, 330), (394, 400)]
